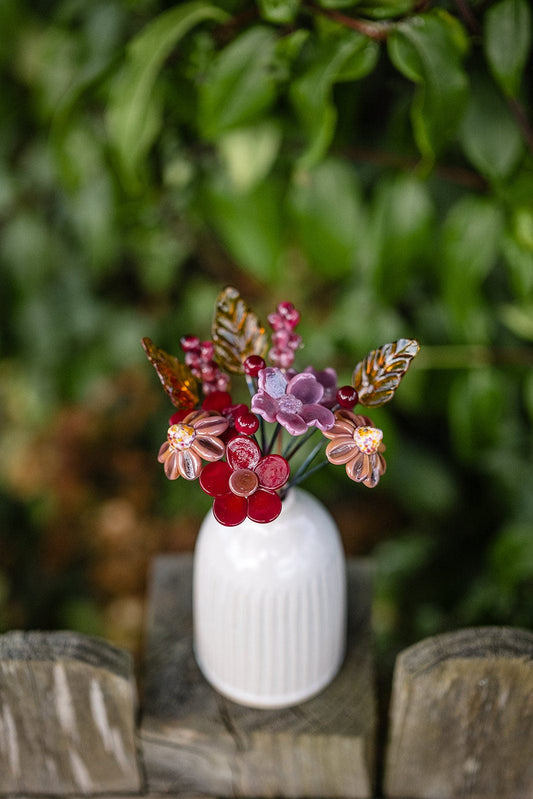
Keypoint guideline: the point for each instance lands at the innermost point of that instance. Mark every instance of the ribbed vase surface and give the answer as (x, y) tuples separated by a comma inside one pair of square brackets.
[(269, 604)]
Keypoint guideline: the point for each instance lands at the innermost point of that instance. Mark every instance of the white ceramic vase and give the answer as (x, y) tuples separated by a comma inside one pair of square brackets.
[(269, 604)]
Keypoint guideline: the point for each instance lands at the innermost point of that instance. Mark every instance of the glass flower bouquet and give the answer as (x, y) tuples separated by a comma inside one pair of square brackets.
[(242, 453)]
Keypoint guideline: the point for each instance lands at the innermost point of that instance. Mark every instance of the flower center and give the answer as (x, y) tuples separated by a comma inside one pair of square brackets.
[(368, 439), (180, 436), (243, 482), (290, 404)]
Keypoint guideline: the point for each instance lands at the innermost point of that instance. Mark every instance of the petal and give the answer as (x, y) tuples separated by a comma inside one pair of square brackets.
[(318, 415), (341, 450), (171, 465), (212, 426), (189, 464), (214, 479), (265, 406), (264, 506), (210, 448), (230, 509), (341, 427), (242, 453), (273, 471), (292, 422), (378, 467), (162, 455), (358, 468), (194, 417), (272, 381), (306, 388)]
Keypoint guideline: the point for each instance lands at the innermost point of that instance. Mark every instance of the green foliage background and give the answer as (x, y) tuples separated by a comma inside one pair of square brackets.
[(370, 161)]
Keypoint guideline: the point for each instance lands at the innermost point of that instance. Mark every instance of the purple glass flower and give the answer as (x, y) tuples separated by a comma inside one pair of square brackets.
[(294, 403)]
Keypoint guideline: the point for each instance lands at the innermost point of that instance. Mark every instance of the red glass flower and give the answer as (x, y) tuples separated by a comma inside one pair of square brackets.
[(245, 486), (194, 437), (356, 443)]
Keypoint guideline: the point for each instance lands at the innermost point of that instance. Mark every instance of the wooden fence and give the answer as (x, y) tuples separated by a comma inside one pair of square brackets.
[(461, 716)]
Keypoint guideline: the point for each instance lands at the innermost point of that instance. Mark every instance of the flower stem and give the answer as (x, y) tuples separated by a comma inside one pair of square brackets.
[(290, 451), (275, 434), (297, 479), (252, 388), (303, 470)]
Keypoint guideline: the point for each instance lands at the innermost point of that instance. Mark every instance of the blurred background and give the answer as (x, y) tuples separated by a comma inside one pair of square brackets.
[(370, 162)]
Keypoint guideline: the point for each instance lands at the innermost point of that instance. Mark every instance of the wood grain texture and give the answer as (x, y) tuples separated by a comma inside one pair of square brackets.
[(67, 716), (196, 741), (462, 717)]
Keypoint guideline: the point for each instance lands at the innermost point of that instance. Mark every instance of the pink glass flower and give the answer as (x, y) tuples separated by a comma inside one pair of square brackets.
[(356, 443), (328, 379), (194, 437), (294, 403), (245, 485)]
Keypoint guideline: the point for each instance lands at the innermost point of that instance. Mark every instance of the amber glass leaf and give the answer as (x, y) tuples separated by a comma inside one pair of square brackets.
[(236, 332), (177, 379), (377, 377)]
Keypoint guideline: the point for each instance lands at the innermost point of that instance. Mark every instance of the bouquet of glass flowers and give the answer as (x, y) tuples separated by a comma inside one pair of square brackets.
[(239, 461)]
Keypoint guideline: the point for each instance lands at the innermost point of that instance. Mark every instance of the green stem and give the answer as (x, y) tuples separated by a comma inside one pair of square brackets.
[(290, 451), (275, 434), (303, 470)]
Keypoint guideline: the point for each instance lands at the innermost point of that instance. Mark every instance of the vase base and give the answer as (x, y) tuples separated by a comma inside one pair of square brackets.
[(267, 701)]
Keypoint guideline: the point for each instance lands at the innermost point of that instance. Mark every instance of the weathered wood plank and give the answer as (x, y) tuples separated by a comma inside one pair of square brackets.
[(194, 740), (67, 716), (462, 717)]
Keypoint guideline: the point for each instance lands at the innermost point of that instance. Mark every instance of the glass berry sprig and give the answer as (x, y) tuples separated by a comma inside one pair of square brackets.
[(242, 453)]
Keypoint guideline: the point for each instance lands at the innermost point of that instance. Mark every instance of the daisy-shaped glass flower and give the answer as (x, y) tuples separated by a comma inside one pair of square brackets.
[(294, 403), (194, 437), (245, 485), (356, 443)]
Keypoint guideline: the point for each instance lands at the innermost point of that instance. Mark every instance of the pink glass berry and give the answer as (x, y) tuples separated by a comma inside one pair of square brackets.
[(188, 343), (347, 396), (253, 365)]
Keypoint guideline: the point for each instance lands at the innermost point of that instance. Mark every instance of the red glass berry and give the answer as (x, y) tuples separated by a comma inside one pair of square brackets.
[(216, 401), (179, 416), (242, 453), (347, 396), (264, 506), (247, 423), (214, 478), (253, 365), (273, 471), (230, 509)]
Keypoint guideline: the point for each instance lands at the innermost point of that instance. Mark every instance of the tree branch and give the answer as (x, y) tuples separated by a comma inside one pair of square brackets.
[(374, 30)]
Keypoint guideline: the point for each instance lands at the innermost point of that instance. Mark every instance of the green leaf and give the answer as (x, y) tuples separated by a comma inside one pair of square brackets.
[(345, 57), (489, 135), (240, 85), (134, 112), (385, 9), (248, 153), (249, 224), (325, 204), (519, 260), (507, 40), (476, 400), (428, 50), (279, 11), (402, 229), (468, 250)]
